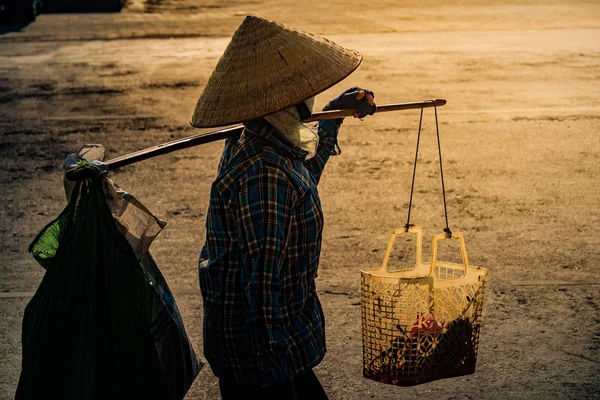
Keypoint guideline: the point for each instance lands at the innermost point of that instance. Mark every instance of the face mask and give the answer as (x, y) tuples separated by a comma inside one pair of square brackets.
[(288, 123)]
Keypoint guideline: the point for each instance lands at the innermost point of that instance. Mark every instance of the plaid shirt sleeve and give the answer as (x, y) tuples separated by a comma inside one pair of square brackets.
[(328, 132), (266, 200)]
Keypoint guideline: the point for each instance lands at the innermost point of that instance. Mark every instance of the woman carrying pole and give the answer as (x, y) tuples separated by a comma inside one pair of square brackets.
[(264, 328)]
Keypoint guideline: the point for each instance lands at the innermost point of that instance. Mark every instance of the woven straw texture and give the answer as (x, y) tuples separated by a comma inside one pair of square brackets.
[(266, 68)]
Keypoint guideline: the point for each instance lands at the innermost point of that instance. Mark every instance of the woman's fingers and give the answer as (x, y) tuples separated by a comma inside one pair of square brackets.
[(370, 99), (362, 94)]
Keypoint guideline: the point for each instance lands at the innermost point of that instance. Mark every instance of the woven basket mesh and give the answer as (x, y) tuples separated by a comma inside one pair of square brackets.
[(417, 326)]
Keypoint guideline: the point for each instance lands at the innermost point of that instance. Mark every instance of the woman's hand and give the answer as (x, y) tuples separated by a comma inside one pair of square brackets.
[(356, 98)]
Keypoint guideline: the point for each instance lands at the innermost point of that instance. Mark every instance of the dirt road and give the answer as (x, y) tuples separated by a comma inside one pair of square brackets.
[(519, 140)]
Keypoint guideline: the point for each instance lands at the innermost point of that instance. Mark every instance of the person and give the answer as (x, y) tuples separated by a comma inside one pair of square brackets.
[(263, 326)]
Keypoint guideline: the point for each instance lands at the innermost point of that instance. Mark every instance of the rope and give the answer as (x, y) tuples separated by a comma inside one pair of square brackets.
[(437, 131), (412, 187)]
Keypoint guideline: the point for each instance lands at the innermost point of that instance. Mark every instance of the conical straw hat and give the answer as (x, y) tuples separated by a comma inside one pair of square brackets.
[(268, 67)]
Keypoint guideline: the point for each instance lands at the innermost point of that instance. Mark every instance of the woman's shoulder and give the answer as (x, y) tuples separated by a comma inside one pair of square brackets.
[(260, 159)]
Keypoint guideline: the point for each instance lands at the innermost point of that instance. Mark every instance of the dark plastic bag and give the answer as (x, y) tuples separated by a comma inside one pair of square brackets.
[(102, 325)]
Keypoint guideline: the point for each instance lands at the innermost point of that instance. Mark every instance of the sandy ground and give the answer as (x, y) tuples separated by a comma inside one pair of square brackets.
[(519, 138)]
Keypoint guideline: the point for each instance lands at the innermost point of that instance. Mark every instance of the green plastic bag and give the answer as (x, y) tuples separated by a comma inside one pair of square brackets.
[(102, 325)]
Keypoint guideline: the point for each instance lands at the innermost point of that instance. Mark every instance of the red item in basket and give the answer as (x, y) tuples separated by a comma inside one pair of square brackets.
[(427, 325)]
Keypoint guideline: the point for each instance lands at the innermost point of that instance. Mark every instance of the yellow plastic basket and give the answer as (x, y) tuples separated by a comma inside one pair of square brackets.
[(421, 324)]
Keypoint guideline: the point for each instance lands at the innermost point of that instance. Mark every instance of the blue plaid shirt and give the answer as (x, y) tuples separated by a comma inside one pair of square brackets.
[(263, 322)]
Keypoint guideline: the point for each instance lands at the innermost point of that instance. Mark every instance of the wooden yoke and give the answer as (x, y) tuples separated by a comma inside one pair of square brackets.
[(221, 134)]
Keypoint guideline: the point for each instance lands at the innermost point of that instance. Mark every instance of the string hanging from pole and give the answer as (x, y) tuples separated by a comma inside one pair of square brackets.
[(412, 187), (437, 132)]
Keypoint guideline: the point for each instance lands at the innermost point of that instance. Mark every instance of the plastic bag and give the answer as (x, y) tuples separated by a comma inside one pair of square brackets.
[(139, 226), (102, 324)]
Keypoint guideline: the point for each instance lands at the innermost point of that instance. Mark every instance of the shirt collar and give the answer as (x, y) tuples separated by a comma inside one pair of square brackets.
[(262, 129)]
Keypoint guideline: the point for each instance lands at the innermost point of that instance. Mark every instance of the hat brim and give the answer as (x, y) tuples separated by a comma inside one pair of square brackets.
[(266, 68)]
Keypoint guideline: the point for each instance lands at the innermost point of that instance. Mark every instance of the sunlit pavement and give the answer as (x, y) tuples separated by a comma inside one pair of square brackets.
[(110, 26)]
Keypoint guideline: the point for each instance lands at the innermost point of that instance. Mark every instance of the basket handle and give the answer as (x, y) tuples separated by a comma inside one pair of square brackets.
[(463, 250), (418, 232)]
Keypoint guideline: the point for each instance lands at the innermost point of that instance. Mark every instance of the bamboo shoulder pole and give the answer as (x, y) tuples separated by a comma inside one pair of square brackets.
[(179, 144), (383, 108), (213, 136)]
